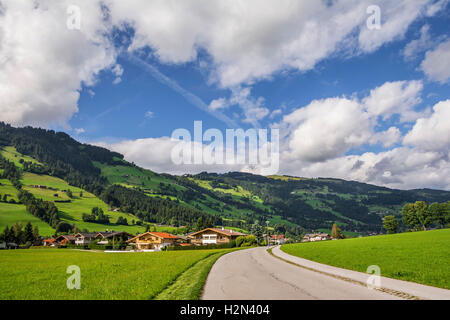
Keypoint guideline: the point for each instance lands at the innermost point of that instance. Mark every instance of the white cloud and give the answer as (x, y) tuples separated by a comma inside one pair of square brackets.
[(387, 138), (436, 7), (436, 64), (253, 108), (118, 72), (149, 114), (249, 40), (217, 104), (44, 64), (420, 45), (327, 129), (79, 131), (396, 18), (403, 168), (398, 97), (432, 133), (142, 152)]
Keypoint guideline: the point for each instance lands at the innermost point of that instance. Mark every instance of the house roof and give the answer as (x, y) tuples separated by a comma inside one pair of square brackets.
[(277, 236), (66, 236), (163, 235), (86, 234), (226, 232), (316, 235), (50, 240), (110, 234)]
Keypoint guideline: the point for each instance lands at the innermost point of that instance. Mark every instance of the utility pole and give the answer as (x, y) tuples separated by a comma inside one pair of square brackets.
[(267, 232)]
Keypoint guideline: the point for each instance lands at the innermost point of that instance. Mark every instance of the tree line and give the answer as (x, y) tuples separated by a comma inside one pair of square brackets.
[(420, 216), (19, 235)]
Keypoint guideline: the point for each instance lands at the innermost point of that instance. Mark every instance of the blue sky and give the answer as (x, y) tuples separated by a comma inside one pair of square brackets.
[(121, 111), (340, 93)]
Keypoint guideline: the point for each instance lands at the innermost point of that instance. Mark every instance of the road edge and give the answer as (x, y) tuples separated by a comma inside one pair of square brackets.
[(415, 292)]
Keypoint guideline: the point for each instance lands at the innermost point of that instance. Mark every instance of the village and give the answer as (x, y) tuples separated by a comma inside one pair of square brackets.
[(160, 241)]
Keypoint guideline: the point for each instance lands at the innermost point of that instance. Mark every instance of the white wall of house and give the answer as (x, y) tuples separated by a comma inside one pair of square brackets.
[(209, 239)]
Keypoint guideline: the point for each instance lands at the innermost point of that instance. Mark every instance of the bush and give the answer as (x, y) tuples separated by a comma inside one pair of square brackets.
[(230, 244)]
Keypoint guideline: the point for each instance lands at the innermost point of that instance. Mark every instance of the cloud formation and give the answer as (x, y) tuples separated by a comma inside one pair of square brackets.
[(436, 64), (43, 64)]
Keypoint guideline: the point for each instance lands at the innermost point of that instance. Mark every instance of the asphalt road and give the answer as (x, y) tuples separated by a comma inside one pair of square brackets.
[(254, 274)]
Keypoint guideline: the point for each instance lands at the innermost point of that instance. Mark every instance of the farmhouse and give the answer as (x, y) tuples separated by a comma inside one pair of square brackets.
[(50, 242), (316, 237), (277, 239), (153, 240), (214, 236), (84, 238), (112, 236), (65, 240)]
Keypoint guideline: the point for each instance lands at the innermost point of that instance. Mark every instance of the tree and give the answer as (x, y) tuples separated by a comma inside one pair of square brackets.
[(122, 221), (69, 193), (258, 232), (336, 232), (390, 224), (28, 233), (440, 213), (417, 215), (36, 236), (63, 227)]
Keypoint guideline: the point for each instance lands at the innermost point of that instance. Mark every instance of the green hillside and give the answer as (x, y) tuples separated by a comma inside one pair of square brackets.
[(13, 213), (421, 257), (49, 163)]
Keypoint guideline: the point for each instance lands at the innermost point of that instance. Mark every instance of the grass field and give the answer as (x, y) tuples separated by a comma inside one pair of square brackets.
[(10, 153), (72, 211), (12, 213), (41, 273), (422, 257), (7, 188)]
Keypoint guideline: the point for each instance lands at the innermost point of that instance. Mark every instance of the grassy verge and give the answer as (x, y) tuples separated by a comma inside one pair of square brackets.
[(190, 284), (421, 257)]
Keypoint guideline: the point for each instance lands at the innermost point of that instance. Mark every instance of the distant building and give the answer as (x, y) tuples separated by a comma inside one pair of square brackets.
[(50, 242), (316, 237), (66, 239), (84, 238), (277, 239), (153, 240), (213, 236), (113, 236)]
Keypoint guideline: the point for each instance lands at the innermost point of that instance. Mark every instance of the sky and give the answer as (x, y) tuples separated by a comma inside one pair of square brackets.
[(352, 98)]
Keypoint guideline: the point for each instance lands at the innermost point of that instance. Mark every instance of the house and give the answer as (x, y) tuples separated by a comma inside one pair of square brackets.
[(213, 236), (316, 237), (277, 239), (50, 242), (113, 236), (65, 239), (84, 238), (153, 240)]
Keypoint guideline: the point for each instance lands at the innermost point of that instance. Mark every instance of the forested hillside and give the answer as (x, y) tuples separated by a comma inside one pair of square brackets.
[(51, 171)]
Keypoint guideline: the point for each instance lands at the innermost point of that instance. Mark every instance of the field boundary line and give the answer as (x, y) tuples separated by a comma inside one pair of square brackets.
[(393, 292)]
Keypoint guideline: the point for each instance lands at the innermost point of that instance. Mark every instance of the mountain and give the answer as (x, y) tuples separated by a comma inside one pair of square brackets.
[(42, 165)]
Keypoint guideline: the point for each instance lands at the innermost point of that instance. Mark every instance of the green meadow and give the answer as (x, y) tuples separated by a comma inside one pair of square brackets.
[(41, 273), (6, 188), (81, 202), (422, 257), (13, 213), (10, 153)]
